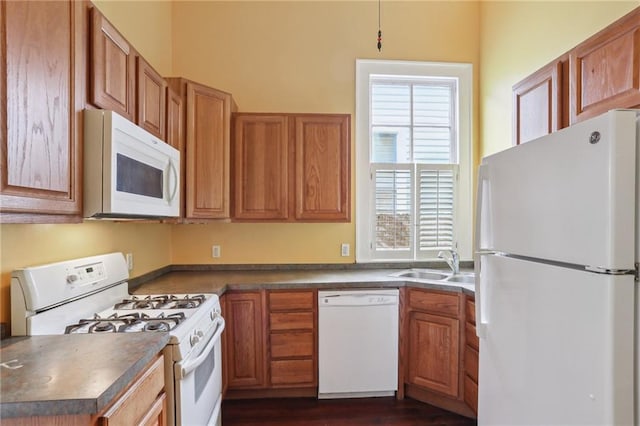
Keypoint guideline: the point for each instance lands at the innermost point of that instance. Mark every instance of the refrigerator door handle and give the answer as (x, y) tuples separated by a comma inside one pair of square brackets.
[(481, 323)]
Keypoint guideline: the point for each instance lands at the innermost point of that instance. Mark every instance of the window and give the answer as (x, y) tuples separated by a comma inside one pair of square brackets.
[(413, 155)]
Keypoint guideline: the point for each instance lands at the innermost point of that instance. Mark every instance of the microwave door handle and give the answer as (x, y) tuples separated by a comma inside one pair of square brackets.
[(173, 173)]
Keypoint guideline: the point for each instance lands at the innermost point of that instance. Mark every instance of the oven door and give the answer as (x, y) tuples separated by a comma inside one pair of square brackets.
[(198, 382)]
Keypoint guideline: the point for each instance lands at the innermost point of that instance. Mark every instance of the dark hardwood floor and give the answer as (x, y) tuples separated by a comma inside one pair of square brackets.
[(358, 411)]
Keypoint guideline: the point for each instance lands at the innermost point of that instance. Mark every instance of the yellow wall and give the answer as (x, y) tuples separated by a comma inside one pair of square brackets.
[(517, 38), (299, 56)]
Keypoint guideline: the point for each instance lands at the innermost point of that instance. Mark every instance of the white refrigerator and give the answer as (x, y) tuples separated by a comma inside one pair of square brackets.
[(557, 248)]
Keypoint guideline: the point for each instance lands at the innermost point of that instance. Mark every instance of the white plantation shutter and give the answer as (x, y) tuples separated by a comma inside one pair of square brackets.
[(413, 165), (393, 209), (435, 207)]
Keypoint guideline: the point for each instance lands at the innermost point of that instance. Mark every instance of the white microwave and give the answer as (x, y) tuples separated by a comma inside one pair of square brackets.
[(128, 172)]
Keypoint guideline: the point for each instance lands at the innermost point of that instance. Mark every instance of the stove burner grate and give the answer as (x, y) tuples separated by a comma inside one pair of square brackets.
[(162, 302), (127, 323)]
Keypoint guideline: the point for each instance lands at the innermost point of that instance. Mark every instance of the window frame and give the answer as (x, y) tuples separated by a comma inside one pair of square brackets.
[(365, 221)]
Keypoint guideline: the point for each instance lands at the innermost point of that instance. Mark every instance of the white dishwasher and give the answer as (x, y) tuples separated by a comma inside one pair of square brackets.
[(357, 343)]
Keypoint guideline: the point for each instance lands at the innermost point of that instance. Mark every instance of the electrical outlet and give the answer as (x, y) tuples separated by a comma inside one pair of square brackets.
[(129, 258), (215, 251), (344, 249)]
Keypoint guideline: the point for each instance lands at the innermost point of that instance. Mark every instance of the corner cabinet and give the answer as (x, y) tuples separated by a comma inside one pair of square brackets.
[(207, 149), (42, 89), (292, 167), (437, 357)]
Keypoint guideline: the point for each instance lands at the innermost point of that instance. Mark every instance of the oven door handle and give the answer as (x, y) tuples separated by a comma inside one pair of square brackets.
[(182, 370)]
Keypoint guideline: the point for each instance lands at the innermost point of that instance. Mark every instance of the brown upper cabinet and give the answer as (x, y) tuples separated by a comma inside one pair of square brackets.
[(538, 103), (151, 104), (123, 81), (291, 167), (207, 144), (605, 70), (42, 84), (599, 74), (112, 68)]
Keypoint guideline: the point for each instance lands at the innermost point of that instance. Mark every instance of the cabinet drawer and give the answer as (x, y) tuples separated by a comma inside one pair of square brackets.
[(138, 400), (291, 321), (470, 311), (471, 363), (292, 372), (471, 393), (291, 344), (471, 337), (439, 303), (291, 300)]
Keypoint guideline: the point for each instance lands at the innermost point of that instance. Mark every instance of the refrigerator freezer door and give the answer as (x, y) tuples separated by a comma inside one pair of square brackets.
[(558, 348), (568, 197)]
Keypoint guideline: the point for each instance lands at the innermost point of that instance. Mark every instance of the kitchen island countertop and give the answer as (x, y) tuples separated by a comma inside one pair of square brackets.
[(71, 374)]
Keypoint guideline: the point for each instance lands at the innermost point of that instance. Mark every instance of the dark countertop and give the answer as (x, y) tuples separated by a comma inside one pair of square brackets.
[(71, 374), (220, 281)]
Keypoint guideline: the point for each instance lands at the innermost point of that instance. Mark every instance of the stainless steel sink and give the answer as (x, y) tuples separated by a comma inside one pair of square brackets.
[(463, 279), (422, 274), (436, 276)]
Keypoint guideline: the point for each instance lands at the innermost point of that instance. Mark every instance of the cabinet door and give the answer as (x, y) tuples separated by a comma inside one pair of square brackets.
[(246, 351), (113, 72), (434, 352), (42, 75), (207, 148), (151, 99), (261, 177), (322, 167), (605, 70), (537, 104)]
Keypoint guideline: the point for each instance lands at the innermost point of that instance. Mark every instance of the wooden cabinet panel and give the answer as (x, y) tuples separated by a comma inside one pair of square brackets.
[(291, 320), (471, 394), (246, 354), (299, 344), (292, 372), (261, 161), (157, 414), (538, 104), (175, 134), (471, 363), (142, 401), (470, 310), (605, 70), (470, 336), (42, 84), (207, 148), (434, 352), (151, 104), (291, 300), (438, 303), (322, 167), (113, 68)]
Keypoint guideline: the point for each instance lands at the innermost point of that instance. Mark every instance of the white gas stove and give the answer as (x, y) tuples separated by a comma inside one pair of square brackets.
[(90, 295)]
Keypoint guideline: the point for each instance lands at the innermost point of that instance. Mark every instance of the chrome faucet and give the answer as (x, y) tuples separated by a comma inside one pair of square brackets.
[(451, 257)]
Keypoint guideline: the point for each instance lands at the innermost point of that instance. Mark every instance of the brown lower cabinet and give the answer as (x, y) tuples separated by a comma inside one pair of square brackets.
[(435, 355), (271, 346), (143, 403), (271, 343)]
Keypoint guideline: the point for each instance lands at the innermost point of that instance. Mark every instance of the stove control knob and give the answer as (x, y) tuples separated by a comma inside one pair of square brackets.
[(72, 278), (194, 339), (214, 314), (199, 333)]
